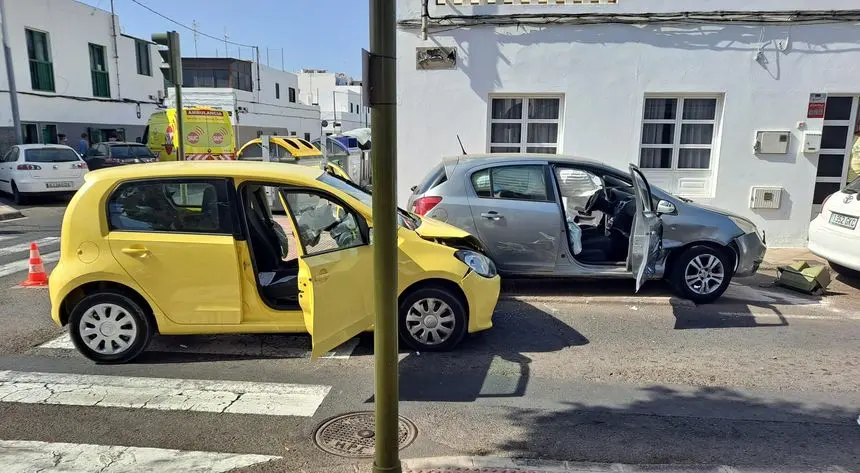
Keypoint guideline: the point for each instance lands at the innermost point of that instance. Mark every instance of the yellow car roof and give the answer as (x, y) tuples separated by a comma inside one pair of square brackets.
[(240, 169), (297, 147)]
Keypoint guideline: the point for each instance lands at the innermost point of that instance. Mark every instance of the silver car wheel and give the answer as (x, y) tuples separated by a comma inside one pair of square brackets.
[(430, 321), (107, 329), (704, 274)]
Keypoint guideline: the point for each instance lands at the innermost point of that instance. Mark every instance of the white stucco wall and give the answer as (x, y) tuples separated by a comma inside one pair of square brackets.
[(71, 26), (333, 100), (603, 73)]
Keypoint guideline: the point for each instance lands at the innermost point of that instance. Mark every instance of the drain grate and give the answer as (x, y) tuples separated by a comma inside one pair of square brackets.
[(354, 434)]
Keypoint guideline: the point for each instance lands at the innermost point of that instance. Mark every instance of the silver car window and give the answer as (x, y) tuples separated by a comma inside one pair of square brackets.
[(527, 182)]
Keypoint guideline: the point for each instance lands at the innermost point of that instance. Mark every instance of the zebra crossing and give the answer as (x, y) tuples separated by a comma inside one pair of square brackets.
[(148, 391), (267, 401), (15, 251)]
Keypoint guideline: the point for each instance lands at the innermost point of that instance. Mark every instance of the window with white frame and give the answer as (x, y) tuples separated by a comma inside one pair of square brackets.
[(678, 133), (525, 124)]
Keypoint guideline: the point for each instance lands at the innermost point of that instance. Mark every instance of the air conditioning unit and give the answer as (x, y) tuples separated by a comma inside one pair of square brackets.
[(765, 197)]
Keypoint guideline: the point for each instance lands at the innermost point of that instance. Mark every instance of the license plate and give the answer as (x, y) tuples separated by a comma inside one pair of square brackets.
[(60, 184), (845, 221)]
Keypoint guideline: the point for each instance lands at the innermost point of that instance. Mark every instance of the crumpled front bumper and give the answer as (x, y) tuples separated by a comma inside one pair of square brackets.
[(751, 250)]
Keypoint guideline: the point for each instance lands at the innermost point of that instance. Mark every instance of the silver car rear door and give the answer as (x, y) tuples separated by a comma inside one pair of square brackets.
[(516, 215)]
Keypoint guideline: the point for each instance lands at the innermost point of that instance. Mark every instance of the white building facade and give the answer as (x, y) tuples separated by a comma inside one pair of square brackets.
[(75, 73), (339, 99), (754, 111), (261, 100)]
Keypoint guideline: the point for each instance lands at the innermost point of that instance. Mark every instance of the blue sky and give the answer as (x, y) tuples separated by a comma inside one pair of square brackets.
[(317, 34)]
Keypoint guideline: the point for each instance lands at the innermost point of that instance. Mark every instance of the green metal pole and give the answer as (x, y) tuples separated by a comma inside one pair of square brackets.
[(177, 90), (384, 138)]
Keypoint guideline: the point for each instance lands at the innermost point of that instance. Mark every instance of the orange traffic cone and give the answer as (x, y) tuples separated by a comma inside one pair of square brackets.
[(37, 277)]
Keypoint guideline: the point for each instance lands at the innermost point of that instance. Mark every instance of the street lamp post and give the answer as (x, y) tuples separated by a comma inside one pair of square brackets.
[(10, 76), (381, 87)]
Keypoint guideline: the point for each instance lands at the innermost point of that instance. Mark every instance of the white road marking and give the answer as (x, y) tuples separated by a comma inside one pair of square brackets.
[(167, 394), (24, 265), (19, 456), (292, 346), (22, 247), (789, 316), (6, 237)]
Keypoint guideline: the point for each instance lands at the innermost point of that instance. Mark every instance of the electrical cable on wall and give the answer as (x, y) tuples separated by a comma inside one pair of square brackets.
[(728, 17)]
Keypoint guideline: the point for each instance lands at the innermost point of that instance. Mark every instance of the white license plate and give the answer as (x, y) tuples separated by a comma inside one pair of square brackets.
[(845, 221), (59, 184)]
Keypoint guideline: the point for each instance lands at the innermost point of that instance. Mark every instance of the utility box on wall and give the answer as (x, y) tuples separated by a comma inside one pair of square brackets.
[(772, 142), (765, 197), (812, 142)]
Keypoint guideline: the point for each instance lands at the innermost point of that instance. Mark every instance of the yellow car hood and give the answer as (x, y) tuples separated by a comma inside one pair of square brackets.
[(446, 234)]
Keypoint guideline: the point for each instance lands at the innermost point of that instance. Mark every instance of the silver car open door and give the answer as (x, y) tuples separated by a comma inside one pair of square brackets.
[(646, 237)]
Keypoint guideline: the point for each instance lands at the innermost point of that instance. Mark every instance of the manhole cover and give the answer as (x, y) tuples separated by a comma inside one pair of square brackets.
[(354, 435)]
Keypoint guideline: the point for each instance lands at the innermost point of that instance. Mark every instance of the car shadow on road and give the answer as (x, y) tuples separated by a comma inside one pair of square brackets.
[(709, 425), (490, 364), (550, 287)]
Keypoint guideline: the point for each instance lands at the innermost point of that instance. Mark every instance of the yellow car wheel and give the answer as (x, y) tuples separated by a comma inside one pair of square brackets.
[(109, 327), (432, 319)]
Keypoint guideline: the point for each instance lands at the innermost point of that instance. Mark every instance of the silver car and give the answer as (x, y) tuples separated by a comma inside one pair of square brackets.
[(549, 215)]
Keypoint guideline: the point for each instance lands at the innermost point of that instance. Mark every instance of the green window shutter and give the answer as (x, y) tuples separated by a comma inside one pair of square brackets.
[(41, 68), (98, 70)]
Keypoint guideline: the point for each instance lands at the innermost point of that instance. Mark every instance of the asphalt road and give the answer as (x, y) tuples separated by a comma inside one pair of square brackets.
[(582, 372)]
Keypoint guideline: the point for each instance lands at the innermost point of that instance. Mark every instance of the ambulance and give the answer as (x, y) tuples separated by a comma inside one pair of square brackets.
[(208, 134)]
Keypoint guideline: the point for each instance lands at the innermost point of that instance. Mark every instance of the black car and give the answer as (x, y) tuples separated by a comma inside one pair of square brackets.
[(117, 153)]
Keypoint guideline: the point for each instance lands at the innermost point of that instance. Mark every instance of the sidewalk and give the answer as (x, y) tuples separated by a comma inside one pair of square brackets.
[(785, 256), (9, 213), (465, 464)]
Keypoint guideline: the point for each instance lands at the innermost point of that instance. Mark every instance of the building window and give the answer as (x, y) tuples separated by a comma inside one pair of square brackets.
[(41, 68), (351, 110), (98, 70), (525, 124), (292, 95), (678, 133), (141, 53), (277, 90), (307, 136)]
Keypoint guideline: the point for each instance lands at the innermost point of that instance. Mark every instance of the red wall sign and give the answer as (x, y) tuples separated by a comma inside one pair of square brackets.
[(817, 103)]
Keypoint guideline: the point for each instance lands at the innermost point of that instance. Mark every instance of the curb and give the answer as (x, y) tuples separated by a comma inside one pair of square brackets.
[(9, 213), (465, 464), (620, 300)]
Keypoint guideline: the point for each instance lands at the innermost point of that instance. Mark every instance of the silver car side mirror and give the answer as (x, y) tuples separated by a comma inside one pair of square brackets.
[(665, 207)]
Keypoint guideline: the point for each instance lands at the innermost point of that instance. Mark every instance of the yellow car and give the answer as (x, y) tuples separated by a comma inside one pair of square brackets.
[(192, 248), (289, 149)]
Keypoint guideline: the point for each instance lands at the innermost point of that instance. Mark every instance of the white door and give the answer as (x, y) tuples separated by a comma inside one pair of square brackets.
[(837, 139)]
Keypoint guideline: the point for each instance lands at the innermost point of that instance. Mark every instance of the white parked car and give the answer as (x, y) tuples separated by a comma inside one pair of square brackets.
[(41, 169), (834, 234)]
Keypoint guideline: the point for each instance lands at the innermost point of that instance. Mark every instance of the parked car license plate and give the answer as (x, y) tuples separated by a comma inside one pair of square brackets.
[(59, 184), (841, 220)]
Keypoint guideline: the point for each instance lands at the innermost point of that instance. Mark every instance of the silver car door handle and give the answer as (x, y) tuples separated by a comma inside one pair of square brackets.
[(492, 215)]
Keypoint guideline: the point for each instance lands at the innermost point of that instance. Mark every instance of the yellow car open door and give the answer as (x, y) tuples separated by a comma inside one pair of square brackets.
[(335, 268)]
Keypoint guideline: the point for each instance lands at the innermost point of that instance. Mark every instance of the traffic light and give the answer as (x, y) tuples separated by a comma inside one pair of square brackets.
[(171, 57), (171, 67)]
